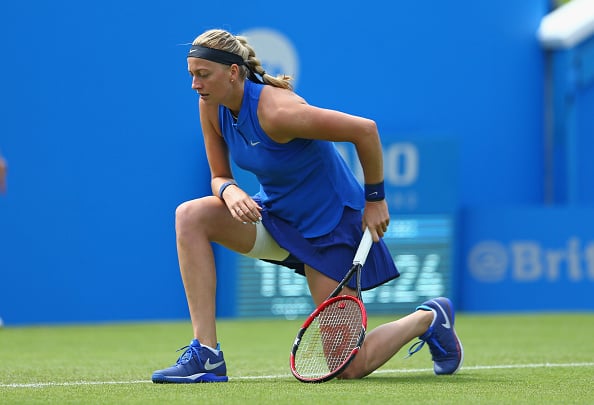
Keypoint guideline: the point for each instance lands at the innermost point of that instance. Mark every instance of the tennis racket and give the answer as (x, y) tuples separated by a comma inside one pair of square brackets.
[(332, 335)]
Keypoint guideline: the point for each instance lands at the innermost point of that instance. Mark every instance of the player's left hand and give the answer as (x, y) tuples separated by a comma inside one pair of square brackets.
[(377, 218)]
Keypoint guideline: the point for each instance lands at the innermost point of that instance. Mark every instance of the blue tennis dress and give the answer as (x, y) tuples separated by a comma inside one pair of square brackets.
[(311, 201)]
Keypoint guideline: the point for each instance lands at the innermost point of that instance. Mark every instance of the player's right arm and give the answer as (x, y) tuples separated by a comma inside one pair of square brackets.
[(215, 146), (240, 204)]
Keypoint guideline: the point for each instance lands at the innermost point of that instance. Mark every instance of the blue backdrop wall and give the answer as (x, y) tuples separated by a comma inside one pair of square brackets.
[(100, 127)]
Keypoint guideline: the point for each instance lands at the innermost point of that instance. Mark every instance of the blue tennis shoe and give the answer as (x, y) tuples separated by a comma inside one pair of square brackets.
[(446, 349), (196, 365)]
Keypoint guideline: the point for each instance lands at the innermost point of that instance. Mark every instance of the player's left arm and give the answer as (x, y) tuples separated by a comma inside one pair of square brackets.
[(285, 116)]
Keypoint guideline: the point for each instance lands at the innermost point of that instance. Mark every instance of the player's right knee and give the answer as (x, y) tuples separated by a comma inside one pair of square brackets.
[(188, 215)]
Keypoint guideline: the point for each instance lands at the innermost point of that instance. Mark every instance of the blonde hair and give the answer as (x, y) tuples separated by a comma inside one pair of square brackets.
[(225, 41)]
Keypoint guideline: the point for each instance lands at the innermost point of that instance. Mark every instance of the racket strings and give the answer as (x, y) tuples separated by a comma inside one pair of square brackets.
[(330, 339)]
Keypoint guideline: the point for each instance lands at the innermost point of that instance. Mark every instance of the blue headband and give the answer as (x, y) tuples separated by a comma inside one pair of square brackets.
[(215, 55)]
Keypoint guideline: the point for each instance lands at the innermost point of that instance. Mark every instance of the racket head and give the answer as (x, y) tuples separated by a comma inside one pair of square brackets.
[(329, 339)]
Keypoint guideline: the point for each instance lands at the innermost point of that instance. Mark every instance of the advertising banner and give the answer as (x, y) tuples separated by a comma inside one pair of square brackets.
[(528, 259)]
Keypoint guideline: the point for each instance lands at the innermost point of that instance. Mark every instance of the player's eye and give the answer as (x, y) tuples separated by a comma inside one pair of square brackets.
[(199, 74)]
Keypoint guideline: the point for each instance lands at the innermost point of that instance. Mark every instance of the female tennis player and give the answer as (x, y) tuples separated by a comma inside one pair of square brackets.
[(309, 214)]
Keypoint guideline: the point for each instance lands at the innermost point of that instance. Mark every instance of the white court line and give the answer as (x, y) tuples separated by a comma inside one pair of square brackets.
[(275, 377)]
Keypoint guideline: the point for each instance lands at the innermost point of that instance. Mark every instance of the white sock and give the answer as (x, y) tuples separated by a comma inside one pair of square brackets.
[(215, 351)]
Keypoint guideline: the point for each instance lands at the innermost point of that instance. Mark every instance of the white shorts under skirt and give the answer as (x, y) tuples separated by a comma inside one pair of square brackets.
[(332, 254), (266, 247)]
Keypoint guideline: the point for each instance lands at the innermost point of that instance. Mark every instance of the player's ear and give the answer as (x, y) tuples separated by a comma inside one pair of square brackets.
[(233, 72)]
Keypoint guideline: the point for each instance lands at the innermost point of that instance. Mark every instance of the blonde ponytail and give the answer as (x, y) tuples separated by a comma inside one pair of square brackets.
[(225, 41)]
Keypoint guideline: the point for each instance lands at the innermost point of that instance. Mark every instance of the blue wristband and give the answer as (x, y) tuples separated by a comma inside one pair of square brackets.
[(374, 192), (224, 187)]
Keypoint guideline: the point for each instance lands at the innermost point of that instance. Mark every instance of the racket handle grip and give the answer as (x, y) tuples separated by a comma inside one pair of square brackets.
[(364, 248)]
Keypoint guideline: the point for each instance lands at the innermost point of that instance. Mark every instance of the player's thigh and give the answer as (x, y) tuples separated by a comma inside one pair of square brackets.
[(321, 286), (209, 217)]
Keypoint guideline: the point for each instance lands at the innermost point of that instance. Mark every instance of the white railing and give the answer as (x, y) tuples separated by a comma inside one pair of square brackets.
[(568, 25)]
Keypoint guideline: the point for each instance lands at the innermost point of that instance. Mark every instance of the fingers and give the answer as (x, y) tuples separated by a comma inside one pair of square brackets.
[(377, 218), (377, 232), (241, 206), (246, 214)]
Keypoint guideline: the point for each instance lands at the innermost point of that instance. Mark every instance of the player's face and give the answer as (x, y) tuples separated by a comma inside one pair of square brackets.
[(210, 80)]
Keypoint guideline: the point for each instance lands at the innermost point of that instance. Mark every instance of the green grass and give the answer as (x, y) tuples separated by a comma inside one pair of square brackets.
[(517, 359)]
